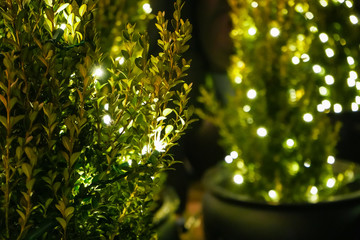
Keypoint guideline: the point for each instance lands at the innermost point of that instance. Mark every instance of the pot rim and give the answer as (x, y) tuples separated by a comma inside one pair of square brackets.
[(212, 177)]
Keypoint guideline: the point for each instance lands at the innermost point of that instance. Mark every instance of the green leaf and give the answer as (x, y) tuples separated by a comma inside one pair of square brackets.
[(14, 120), (3, 100), (167, 111), (30, 184), (30, 153), (62, 7), (62, 222), (66, 143), (27, 169), (82, 9), (168, 129), (69, 211), (74, 157), (70, 19), (22, 215)]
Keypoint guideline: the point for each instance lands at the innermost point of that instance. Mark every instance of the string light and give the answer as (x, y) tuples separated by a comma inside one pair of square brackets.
[(238, 79), (305, 57), (329, 52), (246, 108), (308, 117), (121, 60), (330, 183), (331, 160), (261, 132), (228, 159), (234, 154), (147, 8), (350, 60), (329, 80), (107, 119), (98, 72), (349, 4), (251, 94), (63, 26), (314, 190), (317, 68), (290, 143), (238, 179), (252, 31), (337, 108), (323, 37), (295, 60), (354, 19), (354, 107), (274, 32), (273, 195), (254, 4)]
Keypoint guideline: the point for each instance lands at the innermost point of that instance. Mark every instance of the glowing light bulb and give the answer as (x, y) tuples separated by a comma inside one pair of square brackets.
[(354, 19), (274, 32), (357, 99), (317, 68), (273, 195), (246, 108), (261, 132), (98, 72), (314, 190), (350, 60), (331, 160), (251, 94), (351, 82), (307, 164), (254, 4), (107, 119), (309, 15), (63, 26), (330, 183), (147, 8), (228, 159), (308, 117), (252, 31), (323, 3), (305, 57), (323, 37), (238, 79), (323, 91), (295, 60), (290, 143), (353, 75), (329, 52), (121, 60), (313, 29), (354, 107), (106, 107), (234, 154), (349, 4), (329, 80), (337, 108), (320, 108), (238, 179), (326, 103)]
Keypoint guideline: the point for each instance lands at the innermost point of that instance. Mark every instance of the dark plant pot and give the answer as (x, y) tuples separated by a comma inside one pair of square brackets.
[(229, 216)]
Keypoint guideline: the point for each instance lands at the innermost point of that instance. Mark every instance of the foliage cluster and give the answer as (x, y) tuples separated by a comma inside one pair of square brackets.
[(82, 145), (294, 65)]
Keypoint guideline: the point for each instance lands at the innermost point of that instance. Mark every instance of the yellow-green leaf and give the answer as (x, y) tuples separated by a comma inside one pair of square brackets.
[(62, 222), (74, 157), (3, 100), (22, 215), (167, 111), (169, 129), (82, 9), (70, 19), (69, 211), (30, 153), (27, 169), (62, 7)]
